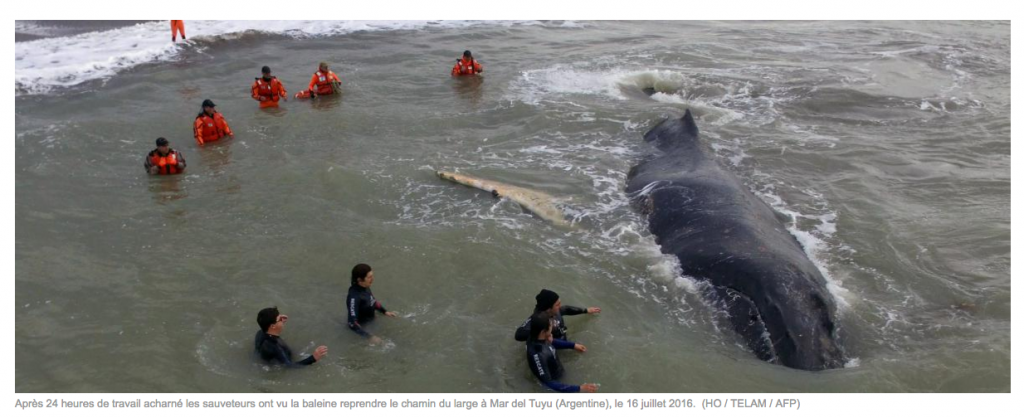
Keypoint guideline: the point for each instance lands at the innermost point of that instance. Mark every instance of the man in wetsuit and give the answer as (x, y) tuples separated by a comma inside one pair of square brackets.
[(550, 303), (543, 361), (271, 347), (361, 303)]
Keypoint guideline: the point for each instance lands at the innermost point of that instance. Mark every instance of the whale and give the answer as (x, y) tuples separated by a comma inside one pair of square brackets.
[(539, 203), (775, 298)]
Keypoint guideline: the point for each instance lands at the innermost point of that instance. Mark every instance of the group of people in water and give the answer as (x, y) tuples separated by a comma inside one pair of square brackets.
[(268, 90), (544, 332)]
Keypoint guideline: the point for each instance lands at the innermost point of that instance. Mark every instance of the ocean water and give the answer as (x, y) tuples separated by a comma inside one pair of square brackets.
[(886, 143)]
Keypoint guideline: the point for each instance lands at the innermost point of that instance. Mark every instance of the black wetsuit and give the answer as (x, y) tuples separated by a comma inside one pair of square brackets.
[(361, 306), (272, 347), (545, 365), (558, 329)]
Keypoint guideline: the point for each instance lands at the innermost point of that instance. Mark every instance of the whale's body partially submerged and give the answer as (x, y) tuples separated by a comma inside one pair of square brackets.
[(775, 296)]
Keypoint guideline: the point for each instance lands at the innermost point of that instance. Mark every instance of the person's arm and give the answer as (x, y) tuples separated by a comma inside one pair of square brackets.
[(572, 310), (147, 163), (198, 130), (283, 93), (227, 129), (523, 332), (353, 322), (312, 86), (271, 351), (479, 67), (562, 344), (542, 372), (379, 307), (256, 91)]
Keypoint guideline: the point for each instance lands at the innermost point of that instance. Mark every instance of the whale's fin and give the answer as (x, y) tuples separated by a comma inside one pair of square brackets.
[(674, 134), (689, 125)]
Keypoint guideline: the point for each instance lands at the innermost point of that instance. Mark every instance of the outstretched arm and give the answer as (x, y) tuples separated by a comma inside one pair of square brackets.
[(572, 310)]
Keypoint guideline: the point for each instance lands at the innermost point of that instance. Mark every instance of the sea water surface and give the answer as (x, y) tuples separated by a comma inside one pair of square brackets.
[(887, 144)]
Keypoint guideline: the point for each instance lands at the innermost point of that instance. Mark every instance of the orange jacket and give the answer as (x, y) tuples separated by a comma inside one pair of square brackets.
[(321, 83), (464, 67), (209, 129), (268, 93), (168, 163)]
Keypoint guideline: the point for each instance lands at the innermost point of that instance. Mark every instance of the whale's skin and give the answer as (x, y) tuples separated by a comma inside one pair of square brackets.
[(775, 297)]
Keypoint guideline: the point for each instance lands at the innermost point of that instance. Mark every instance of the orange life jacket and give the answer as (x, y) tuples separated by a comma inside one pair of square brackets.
[(270, 92), (209, 129), (463, 67), (168, 164), (321, 82)]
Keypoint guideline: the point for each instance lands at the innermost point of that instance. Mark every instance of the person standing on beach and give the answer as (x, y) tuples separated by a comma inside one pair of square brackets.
[(361, 304), (269, 345), (177, 26), (210, 125), (268, 89), (549, 302)]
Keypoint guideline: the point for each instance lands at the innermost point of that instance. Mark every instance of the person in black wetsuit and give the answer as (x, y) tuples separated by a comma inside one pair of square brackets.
[(361, 304), (550, 303), (271, 347), (541, 356)]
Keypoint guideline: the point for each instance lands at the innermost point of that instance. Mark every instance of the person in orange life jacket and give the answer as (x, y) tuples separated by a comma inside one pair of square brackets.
[(177, 26), (321, 84), (210, 125), (164, 160), (268, 90), (467, 65)]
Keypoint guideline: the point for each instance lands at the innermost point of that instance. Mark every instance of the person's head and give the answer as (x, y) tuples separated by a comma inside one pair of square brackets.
[(467, 55), (324, 67), (208, 106), (362, 275), (266, 72), (163, 145), (270, 319), (548, 301), (540, 327)]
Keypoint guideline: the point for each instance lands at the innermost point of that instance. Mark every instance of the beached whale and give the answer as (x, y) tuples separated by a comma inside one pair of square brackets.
[(776, 298), (538, 203)]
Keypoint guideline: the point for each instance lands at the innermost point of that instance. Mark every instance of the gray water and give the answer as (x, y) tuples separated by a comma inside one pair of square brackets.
[(888, 145)]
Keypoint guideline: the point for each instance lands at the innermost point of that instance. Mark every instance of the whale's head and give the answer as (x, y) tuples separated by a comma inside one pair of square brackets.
[(775, 299), (805, 336)]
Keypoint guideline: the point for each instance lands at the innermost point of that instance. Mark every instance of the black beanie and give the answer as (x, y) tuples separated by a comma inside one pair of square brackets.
[(546, 299)]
